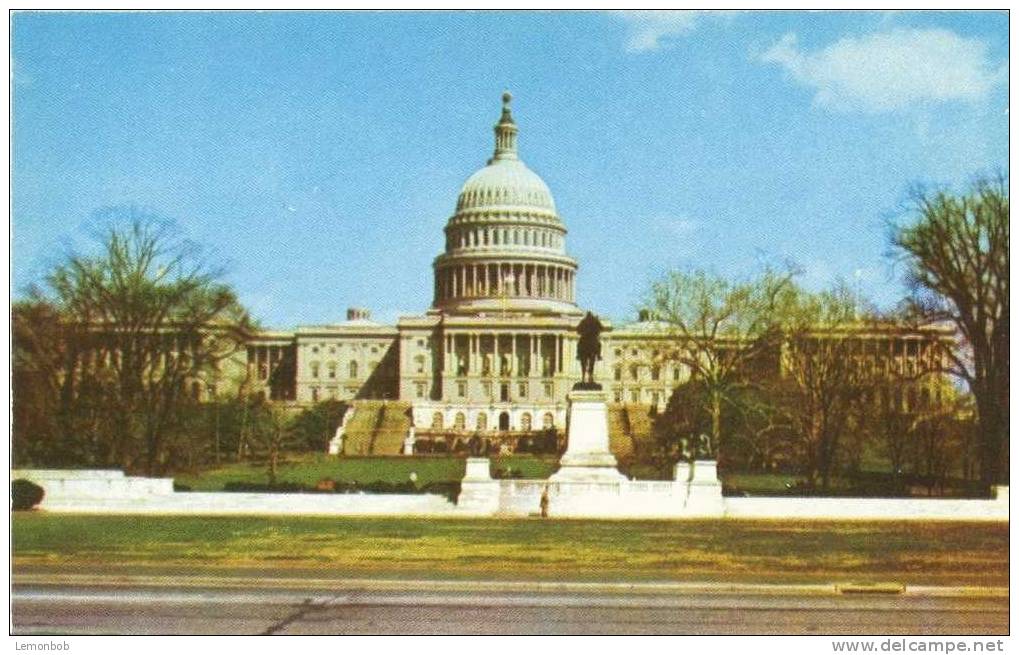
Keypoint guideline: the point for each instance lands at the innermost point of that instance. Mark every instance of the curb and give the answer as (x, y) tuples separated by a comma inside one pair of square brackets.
[(368, 584)]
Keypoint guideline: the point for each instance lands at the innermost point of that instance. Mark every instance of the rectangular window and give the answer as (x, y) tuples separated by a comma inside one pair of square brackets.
[(461, 389), (314, 370), (314, 394), (548, 389), (522, 389)]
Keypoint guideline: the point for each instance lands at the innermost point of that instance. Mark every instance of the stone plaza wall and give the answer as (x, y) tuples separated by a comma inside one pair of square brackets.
[(900, 509), (111, 492), (694, 494)]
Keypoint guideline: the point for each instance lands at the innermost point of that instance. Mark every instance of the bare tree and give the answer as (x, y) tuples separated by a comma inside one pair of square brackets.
[(270, 430), (956, 253), (720, 329), (824, 375), (149, 314)]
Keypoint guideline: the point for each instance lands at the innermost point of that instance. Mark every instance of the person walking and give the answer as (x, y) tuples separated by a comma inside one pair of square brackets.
[(544, 502)]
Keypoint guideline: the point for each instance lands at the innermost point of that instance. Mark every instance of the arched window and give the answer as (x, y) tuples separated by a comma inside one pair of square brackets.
[(525, 422), (548, 421), (482, 422), (353, 369), (437, 421), (460, 421)]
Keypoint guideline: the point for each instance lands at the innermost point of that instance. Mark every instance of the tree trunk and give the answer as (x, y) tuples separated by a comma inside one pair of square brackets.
[(993, 437), (716, 422)]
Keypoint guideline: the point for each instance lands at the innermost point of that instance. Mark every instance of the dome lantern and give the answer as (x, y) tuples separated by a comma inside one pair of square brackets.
[(505, 133)]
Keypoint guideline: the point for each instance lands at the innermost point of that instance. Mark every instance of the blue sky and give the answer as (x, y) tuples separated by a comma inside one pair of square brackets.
[(320, 155)]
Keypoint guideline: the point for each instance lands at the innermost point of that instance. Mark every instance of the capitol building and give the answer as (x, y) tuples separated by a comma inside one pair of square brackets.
[(496, 351), (495, 354)]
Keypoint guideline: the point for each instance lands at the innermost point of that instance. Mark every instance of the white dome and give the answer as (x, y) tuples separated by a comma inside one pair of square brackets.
[(505, 245), (505, 184)]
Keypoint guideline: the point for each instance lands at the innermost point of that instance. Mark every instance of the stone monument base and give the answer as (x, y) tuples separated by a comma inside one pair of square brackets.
[(587, 457), (479, 493), (700, 488)]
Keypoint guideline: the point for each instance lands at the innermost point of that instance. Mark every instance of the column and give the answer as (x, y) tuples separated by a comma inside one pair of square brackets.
[(514, 368)]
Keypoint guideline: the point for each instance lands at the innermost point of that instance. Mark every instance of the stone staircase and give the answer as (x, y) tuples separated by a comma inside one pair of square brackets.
[(357, 439), (391, 428), (630, 427), (620, 442)]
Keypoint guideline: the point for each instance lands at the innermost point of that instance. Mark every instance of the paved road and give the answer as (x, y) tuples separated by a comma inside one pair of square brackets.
[(130, 609)]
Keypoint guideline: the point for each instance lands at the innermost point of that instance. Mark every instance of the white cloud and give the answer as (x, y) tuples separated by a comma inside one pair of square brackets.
[(646, 30), (680, 233), (891, 70)]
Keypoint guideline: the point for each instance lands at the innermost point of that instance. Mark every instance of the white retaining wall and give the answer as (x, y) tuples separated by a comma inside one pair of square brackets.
[(64, 487), (111, 492), (931, 509)]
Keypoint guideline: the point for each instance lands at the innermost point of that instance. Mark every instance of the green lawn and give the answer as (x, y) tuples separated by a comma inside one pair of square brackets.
[(747, 551), (309, 469)]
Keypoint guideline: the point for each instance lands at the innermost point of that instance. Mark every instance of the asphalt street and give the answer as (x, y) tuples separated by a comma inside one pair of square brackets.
[(366, 608)]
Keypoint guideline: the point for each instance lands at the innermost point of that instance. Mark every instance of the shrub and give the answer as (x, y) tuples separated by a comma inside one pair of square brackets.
[(25, 495), (279, 487)]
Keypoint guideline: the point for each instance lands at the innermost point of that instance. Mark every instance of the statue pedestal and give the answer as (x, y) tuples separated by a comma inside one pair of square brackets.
[(479, 493), (587, 457), (697, 483)]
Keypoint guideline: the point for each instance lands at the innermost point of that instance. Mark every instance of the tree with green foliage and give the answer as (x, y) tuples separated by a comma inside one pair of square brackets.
[(955, 249), (316, 425), (269, 429)]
